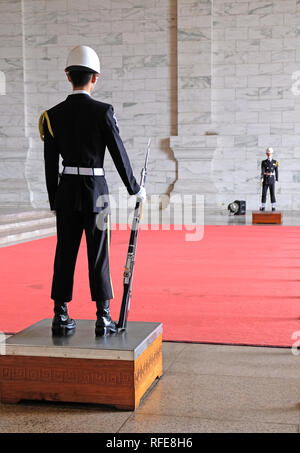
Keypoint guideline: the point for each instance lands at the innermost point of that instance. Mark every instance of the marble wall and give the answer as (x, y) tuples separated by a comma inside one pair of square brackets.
[(213, 82), (255, 100), (13, 141), (136, 42)]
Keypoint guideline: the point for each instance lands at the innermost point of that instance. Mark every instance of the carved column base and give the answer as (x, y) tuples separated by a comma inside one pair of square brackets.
[(195, 177)]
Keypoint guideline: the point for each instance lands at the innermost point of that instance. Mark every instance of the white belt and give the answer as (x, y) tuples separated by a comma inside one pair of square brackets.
[(83, 171), (271, 174)]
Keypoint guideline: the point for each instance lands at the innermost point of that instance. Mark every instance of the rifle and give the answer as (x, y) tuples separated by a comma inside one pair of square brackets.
[(130, 259)]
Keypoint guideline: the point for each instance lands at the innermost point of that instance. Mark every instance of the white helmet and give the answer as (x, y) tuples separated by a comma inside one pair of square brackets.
[(269, 151), (83, 58)]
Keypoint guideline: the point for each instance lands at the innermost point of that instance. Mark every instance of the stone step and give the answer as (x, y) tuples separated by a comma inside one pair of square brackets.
[(30, 224), (13, 217), (26, 226)]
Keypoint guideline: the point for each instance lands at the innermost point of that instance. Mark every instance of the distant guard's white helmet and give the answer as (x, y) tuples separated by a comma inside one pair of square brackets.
[(269, 151), (83, 58)]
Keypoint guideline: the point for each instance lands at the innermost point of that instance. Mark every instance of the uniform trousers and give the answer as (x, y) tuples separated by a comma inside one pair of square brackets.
[(70, 227), (265, 188)]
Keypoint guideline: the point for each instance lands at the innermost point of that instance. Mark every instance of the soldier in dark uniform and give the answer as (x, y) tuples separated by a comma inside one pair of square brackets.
[(269, 173), (79, 129)]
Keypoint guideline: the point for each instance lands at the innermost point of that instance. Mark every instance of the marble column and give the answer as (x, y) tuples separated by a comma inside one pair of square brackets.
[(195, 145), (14, 191)]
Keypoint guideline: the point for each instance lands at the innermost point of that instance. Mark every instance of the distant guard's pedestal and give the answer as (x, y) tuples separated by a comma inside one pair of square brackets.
[(115, 370), (267, 217)]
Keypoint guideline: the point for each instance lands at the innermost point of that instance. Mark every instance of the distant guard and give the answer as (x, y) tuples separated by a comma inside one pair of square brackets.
[(269, 173)]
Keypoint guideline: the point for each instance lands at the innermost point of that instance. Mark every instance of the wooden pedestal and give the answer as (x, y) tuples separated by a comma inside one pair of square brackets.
[(115, 370), (267, 217)]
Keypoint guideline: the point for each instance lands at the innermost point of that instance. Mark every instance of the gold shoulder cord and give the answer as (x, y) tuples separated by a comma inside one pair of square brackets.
[(277, 163), (41, 125)]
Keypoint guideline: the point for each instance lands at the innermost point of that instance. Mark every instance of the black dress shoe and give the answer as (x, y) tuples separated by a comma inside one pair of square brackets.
[(273, 209), (262, 209), (104, 324), (61, 323)]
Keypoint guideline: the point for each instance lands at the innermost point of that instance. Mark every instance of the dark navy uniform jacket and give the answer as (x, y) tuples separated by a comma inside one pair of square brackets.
[(269, 171), (79, 129)]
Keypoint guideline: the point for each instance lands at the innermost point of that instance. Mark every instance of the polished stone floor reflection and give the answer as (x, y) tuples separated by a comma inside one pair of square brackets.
[(211, 217), (204, 389)]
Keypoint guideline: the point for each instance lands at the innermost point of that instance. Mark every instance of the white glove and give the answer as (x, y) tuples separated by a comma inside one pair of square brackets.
[(141, 195)]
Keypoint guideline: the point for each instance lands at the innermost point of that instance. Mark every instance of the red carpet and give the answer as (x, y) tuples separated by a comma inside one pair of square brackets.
[(239, 285)]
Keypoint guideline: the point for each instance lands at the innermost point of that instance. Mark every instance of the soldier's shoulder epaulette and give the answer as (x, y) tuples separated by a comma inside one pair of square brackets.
[(42, 118)]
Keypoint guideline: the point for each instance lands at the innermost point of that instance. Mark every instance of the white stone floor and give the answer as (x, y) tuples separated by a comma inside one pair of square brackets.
[(25, 229), (204, 389), (289, 218)]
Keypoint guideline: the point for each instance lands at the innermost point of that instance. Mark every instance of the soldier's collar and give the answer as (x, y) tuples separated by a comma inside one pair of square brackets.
[(80, 92)]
